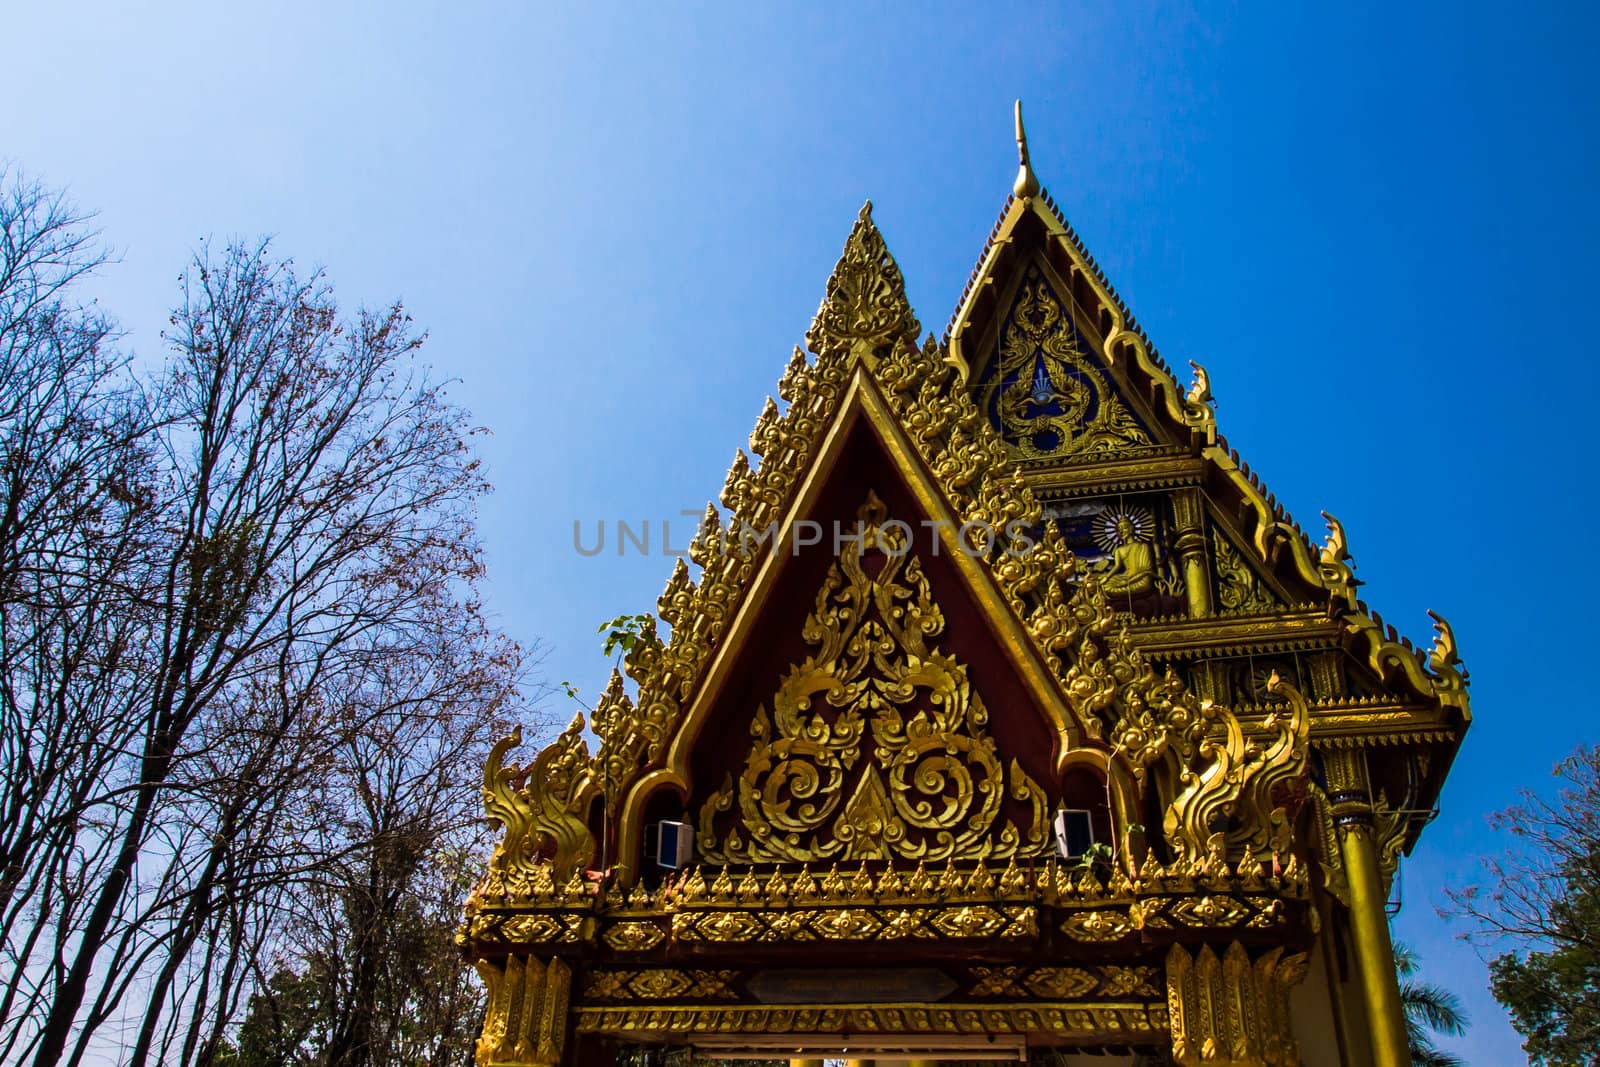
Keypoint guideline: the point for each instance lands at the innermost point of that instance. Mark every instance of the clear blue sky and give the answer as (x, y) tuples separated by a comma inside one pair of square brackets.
[(1375, 226)]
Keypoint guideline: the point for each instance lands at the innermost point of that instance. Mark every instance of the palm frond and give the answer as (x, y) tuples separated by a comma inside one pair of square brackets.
[(1406, 961), (1439, 1009), (1424, 1054)]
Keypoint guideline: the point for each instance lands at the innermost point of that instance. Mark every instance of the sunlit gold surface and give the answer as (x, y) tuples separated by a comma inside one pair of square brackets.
[(1259, 746), (932, 786), (1229, 1009)]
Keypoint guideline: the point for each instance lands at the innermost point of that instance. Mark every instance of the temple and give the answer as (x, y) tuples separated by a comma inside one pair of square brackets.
[(999, 714)]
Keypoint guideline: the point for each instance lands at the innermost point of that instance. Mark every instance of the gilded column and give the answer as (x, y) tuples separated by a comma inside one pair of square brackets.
[(1353, 817), (1230, 1011), (525, 1024), (1327, 675), (1189, 513)]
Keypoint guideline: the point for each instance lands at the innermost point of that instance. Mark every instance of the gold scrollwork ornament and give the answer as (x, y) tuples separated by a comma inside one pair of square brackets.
[(1047, 396), (875, 747)]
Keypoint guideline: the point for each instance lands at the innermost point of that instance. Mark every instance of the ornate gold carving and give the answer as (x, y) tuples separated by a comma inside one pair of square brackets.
[(492, 926), (1130, 568), (660, 983), (526, 1021), (1335, 563), (1344, 808), (979, 921), (717, 926), (634, 936), (865, 310), (1112, 1023), (607, 985), (1199, 406), (1188, 517), (997, 982), (1118, 982), (1449, 675), (1153, 721), (1227, 804), (1229, 1012), (1327, 676), (1208, 911), (892, 759), (622, 742), (526, 929), (1389, 829), (1345, 771), (1045, 395), (1064, 983), (1238, 589), (857, 924), (538, 805), (1098, 925)]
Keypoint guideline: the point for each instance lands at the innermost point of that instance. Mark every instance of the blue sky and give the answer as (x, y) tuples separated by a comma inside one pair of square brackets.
[(1375, 226)]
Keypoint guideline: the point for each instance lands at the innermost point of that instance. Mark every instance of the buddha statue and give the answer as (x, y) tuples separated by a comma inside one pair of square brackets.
[(1130, 570)]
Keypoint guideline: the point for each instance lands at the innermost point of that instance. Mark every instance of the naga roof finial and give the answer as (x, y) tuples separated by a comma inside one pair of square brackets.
[(1027, 184)]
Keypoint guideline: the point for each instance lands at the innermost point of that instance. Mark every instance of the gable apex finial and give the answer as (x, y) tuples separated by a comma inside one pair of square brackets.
[(1027, 184), (864, 313)]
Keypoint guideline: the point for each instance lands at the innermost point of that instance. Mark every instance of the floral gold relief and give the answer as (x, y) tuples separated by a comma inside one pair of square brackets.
[(634, 936), (1044, 394), (875, 746), (865, 308)]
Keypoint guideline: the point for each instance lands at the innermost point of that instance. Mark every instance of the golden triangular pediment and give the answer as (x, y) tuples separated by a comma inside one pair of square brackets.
[(872, 736), (1042, 383), (1258, 560), (878, 744), (955, 596), (866, 459), (872, 412)]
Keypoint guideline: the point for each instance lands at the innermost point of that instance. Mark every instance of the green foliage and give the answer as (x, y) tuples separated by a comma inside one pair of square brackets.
[(282, 1016), (1544, 898), (1554, 995), (1099, 852), (625, 632), (1428, 1007)]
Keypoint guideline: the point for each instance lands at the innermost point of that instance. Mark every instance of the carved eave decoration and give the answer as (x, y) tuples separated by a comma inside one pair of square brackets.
[(1315, 581)]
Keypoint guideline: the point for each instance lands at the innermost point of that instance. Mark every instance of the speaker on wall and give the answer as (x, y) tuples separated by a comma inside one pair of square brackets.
[(674, 844), (1074, 833)]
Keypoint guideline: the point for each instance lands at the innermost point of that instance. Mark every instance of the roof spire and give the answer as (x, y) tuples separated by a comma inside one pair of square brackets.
[(1027, 184)]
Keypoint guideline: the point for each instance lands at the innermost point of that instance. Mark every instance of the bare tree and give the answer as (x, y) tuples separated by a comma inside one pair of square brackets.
[(75, 527), (366, 968), (236, 608)]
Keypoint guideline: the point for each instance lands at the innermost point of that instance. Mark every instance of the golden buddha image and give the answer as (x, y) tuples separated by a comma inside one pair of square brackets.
[(1126, 535)]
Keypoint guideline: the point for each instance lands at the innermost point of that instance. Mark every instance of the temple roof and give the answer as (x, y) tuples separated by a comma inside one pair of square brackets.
[(1030, 221), (1131, 581), (993, 646)]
